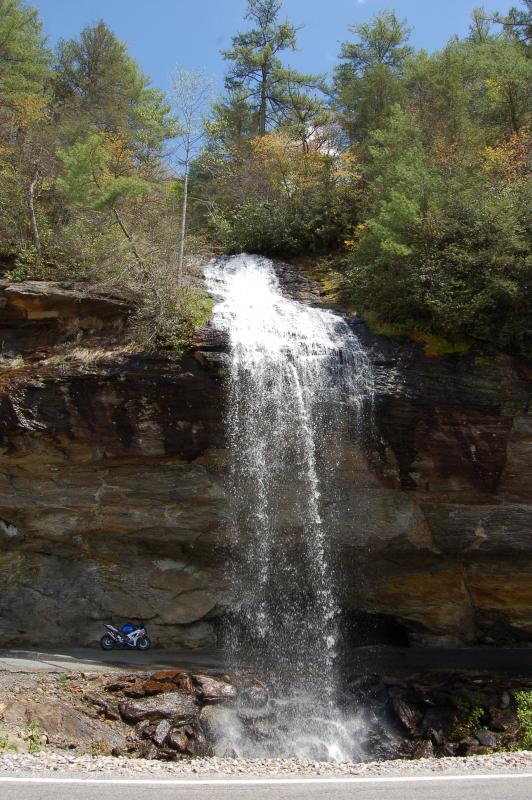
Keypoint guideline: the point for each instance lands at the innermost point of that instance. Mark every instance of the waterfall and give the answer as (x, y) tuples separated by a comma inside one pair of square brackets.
[(298, 383)]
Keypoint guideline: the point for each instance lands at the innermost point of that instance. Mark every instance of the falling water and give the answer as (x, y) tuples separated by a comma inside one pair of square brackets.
[(298, 382)]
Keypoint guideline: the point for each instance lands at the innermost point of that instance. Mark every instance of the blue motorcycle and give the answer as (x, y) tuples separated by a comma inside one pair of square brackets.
[(129, 636)]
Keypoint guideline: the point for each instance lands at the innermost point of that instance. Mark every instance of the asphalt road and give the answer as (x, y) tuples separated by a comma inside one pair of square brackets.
[(366, 659), (88, 659), (504, 787)]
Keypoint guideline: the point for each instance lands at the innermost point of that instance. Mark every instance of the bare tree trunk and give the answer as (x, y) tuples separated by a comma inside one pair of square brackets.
[(183, 229), (184, 213), (262, 110), (191, 93), (127, 235), (33, 219), (513, 115), (122, 227)]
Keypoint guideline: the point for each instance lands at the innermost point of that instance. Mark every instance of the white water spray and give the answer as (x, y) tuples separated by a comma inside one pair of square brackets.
[(298, 383)]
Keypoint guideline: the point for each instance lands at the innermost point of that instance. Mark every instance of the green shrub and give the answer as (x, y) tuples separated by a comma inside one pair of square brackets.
[(445, 252), (257, 226), (100, 748), (524, 715), (5, 744), (33, 736), (467, 720), (168, 317), (280, 227)]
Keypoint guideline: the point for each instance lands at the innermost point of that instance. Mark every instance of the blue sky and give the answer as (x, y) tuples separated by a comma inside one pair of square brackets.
[(164, 34)]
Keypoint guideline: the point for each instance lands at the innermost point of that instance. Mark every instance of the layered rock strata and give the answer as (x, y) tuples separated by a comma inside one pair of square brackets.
[(111, 482)]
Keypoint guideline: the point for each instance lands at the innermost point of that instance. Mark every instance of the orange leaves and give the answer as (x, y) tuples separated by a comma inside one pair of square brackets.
[(31, 108), (293, 169), (511, 158), (120, 161)]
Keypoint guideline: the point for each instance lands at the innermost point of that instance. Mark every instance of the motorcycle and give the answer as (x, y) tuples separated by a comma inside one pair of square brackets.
[(129, 635)]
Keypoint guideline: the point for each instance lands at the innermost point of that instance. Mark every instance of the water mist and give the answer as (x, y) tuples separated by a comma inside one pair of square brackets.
[(298, 383)]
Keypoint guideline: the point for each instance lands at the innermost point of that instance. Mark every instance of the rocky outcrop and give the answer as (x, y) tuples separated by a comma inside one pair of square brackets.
[(39, 314), (419, 716), (398, 715), (446, 504), (111, 482)]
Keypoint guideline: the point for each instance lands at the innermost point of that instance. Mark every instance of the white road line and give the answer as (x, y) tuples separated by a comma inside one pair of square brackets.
[(263, 781)]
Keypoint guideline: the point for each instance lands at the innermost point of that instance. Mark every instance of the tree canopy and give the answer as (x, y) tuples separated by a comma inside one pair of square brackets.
[(405, 180)]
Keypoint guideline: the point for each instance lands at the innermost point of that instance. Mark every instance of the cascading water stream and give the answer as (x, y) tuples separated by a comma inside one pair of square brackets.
[(298, 383)]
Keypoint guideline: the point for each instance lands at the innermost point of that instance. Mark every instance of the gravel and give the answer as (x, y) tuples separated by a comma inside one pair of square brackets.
[(49, 762)]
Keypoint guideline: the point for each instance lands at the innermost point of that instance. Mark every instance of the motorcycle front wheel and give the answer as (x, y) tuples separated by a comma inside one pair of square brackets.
[(143, 643), (106, 642)]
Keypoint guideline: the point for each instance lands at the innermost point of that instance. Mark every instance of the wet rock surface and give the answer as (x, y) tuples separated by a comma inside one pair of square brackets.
[(211, 690), (111, 483), (440, 715), (419, 716)]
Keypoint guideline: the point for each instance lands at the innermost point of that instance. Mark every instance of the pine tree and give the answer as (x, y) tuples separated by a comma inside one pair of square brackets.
[(24, 60), (257, 74), (24, 70), (113, 127), (368, 82), (98, 85)]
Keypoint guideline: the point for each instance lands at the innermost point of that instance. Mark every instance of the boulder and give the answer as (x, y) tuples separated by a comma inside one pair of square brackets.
[(167, 675), (135, 689), (408, 714), (212, 690), (64, 721), (148, 750), (503, 720), (213, 719), (178, 740), (476, 750), (144, 728), (486, 738), (177, 707), (161, 732), (172, 678), (151, 687), (255, 696), (468, 745), (199, 745)]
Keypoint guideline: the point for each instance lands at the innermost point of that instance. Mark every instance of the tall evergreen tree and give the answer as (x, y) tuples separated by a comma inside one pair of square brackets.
[(113, 127), (368, 81), (517, 22), (231, 124), (257, 69), (98, 84), (24, 71), (24, 60)]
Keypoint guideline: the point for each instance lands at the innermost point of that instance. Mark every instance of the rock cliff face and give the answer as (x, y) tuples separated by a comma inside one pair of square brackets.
[(446, 502), (111, 482)]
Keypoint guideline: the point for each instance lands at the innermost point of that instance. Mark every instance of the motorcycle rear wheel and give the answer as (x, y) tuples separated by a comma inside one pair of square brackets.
[(144, 643), (106, 642)]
